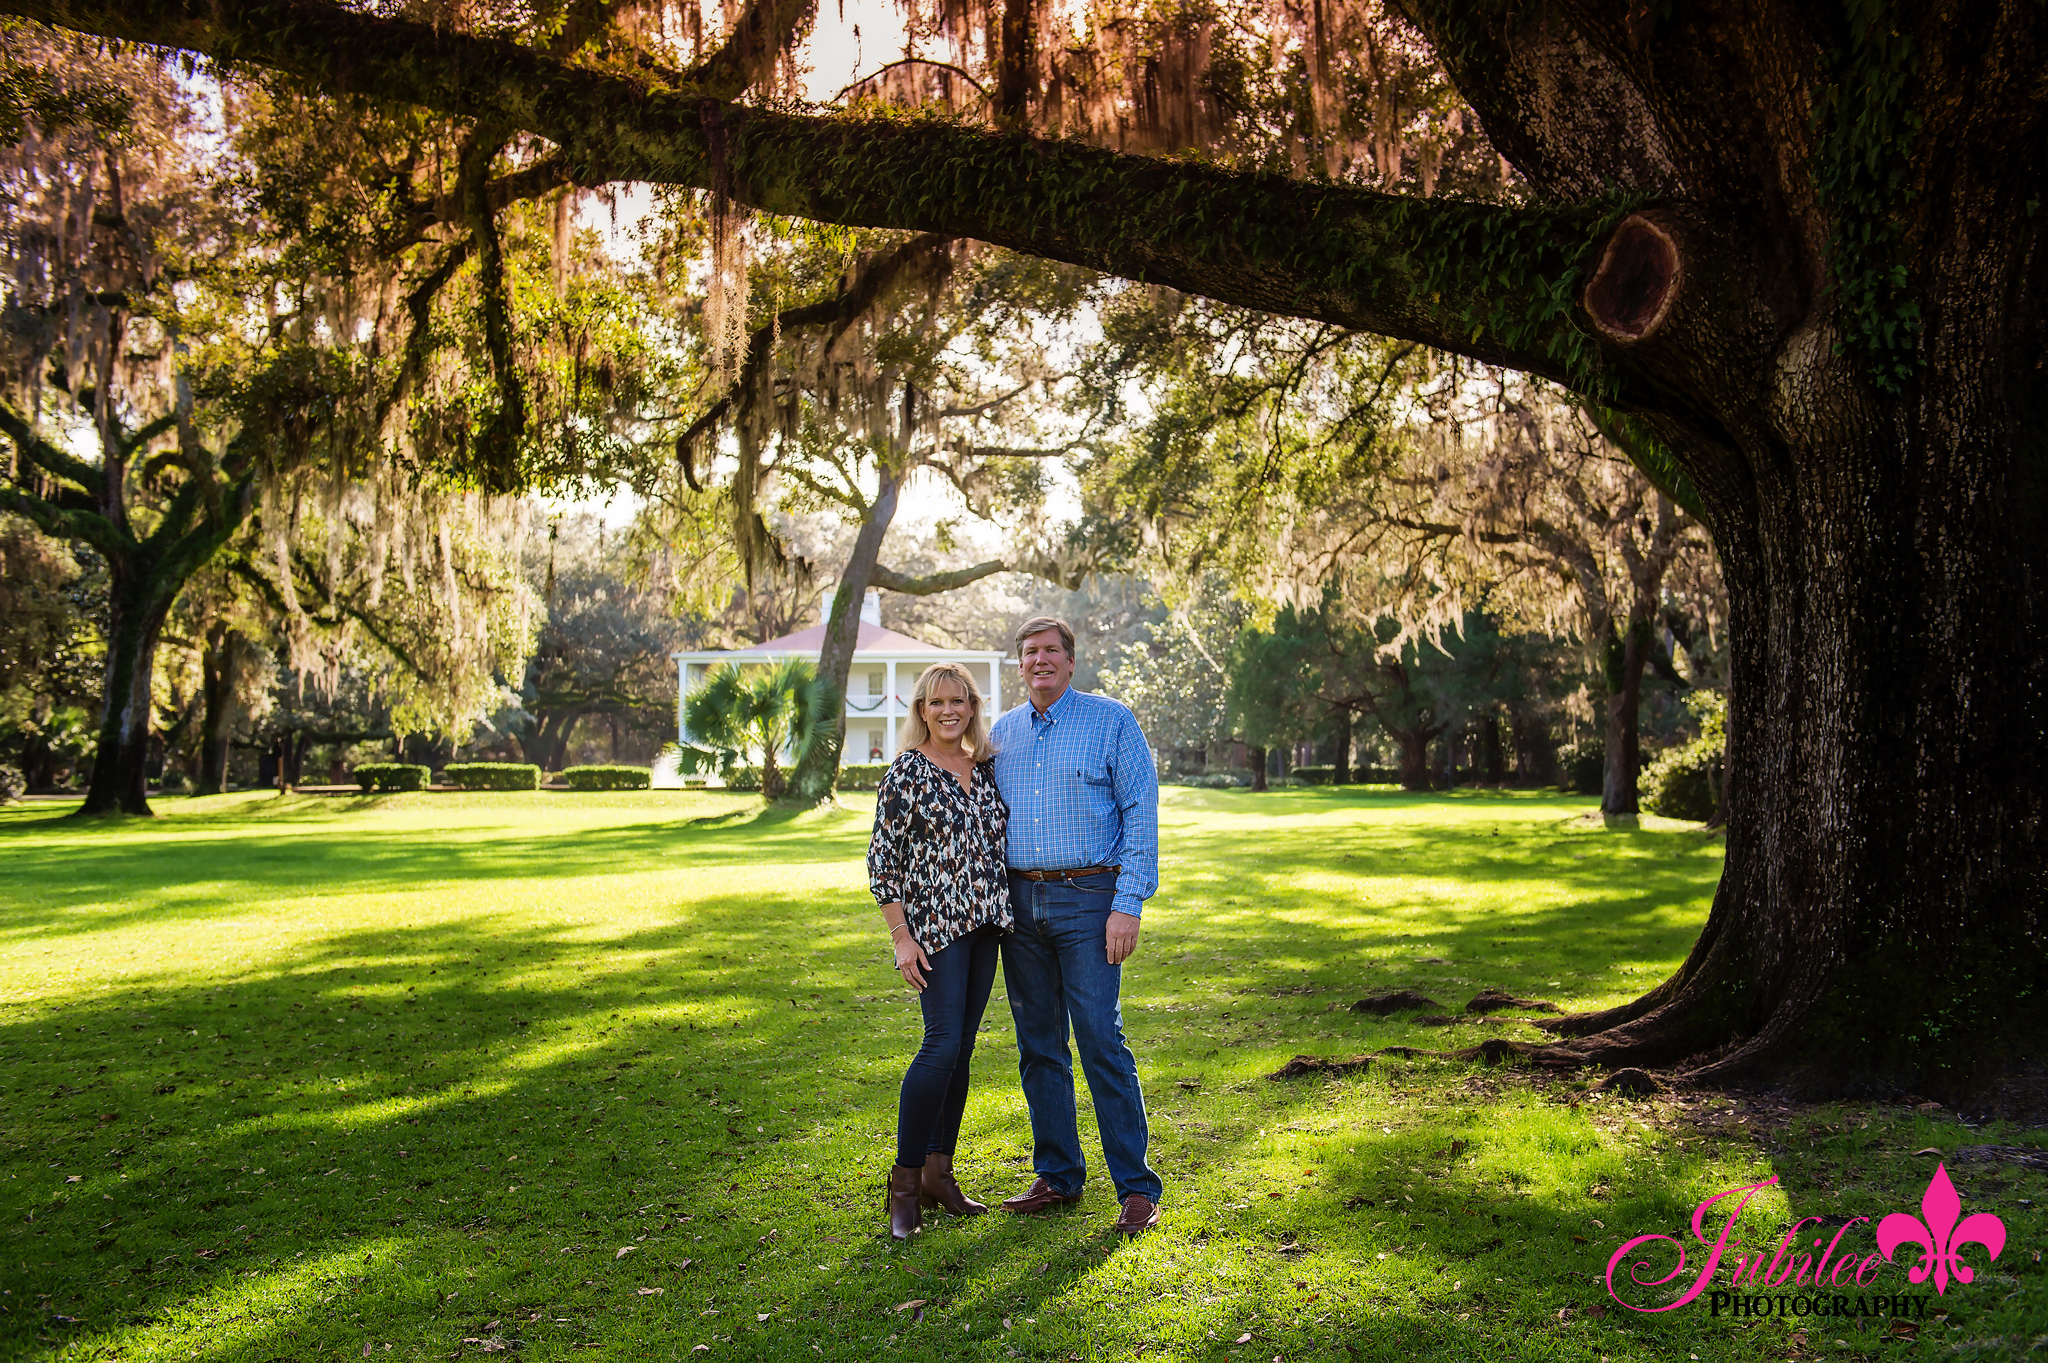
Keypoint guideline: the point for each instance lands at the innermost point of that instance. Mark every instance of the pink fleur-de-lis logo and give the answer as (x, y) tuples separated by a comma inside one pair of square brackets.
[(1939, 1237)]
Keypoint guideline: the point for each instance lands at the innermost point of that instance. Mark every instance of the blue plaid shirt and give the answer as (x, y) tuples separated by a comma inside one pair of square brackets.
[(1082, 791)]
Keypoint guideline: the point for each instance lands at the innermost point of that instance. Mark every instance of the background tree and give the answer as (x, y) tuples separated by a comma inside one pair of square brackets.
[(603, 648)]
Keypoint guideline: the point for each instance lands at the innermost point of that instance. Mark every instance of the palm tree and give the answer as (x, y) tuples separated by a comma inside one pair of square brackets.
[(739, 709)]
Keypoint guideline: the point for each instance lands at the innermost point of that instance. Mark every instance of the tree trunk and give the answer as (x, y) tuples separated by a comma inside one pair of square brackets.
[(1492, 761), (1257, 757), (1623, 658), (1340, 758), (1412, 748), (1879, 918), (811, 780), (772, 784), (219, 659), (136, 610)]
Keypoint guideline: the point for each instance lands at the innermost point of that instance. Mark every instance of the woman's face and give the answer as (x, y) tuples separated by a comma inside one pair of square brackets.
[(947, 710)]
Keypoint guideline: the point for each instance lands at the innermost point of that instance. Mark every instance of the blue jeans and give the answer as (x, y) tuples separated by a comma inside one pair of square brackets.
[(934, 1093), (1056, 969)]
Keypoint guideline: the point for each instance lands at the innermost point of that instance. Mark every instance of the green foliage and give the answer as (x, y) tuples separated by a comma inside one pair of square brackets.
[(391, 776), (1582, 766), (12, 784), (492, 775), (1685, 782), (607, 777), (1313, 775), (861, 775), (747, 710), (743, 778), (1868, 130)]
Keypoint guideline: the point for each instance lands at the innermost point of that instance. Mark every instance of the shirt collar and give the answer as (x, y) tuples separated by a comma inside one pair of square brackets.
[(1051, 714)]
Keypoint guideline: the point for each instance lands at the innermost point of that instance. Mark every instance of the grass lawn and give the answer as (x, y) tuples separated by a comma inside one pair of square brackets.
[(614, 1076)]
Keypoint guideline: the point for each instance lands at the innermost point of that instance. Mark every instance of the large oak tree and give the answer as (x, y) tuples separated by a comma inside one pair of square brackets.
[(1801, 242)]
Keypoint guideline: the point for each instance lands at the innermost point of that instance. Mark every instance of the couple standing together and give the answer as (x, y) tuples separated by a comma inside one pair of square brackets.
[(1036, 843)]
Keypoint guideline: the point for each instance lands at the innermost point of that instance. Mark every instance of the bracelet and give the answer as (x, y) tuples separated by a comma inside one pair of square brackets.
[(894, 927)]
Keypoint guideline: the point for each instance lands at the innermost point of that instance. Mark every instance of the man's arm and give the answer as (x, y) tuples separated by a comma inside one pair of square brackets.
[(1135, 783)]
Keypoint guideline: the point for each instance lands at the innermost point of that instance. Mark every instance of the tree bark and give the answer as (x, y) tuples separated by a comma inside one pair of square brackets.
[(1257, 756), (1340, 758), (1624, 657), (1412, 746), (138, 605), (811, 780), (219, 659)]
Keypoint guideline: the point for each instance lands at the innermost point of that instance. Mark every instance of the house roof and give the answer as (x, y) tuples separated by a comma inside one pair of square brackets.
[(873, 639)]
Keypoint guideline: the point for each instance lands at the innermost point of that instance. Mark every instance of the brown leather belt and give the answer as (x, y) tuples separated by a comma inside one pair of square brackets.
[(1078, 872)]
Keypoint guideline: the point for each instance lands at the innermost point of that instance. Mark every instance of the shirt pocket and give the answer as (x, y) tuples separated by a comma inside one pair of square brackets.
[(1093, 773)]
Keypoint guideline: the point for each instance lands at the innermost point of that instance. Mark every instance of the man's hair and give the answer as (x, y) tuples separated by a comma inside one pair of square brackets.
[(1039, 624)]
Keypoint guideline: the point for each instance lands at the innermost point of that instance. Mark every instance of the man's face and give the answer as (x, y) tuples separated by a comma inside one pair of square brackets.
[(1046, 665)]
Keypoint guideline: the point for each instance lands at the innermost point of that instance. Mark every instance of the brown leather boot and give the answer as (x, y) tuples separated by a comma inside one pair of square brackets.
[(906, 1218), (940, 1189)]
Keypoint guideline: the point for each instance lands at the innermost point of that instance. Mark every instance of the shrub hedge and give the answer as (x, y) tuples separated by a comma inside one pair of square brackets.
[(492, 775), (391, 776), (606, 777), (862, 775), (1683, 783), (743, 778), (1313, 776), (1582, 767)]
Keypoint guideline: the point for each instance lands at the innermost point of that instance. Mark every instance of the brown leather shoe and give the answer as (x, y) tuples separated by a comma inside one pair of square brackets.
[(1039, 1197), (1140, 1213), (940, 1189), (906, 1218)]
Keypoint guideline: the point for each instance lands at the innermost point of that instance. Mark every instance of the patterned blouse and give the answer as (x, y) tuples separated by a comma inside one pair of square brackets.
[(938, 850)]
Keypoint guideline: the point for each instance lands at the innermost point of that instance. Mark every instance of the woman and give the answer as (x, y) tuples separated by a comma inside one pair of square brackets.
[(935, 865)]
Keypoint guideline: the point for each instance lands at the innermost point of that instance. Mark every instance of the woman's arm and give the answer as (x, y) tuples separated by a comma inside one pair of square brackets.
[(888, 857)]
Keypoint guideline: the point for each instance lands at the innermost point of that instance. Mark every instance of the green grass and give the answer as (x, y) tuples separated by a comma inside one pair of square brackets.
[(613, 1076)]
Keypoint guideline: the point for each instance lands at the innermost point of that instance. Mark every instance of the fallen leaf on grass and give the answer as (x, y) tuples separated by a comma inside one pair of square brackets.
[(761, 1316), (914, 1301), (1930, 1150), (649, 1291), (701, 1349), (624, 1251), (1276, 1194), (1245, 1338)]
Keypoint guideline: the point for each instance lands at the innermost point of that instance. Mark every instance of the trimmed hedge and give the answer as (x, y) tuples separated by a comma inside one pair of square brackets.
[(492, 775), (743, 778), (862, 775), (605, 777), (1313, 776), (391, 776)]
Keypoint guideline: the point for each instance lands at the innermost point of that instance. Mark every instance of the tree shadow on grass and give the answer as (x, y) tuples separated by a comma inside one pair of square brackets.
[(382, 1082)]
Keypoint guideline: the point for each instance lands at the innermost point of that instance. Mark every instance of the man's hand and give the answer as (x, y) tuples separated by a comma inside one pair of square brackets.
[(1121, 937)]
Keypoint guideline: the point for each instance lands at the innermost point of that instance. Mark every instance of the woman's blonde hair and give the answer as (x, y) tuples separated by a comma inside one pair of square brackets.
[(915, 731)]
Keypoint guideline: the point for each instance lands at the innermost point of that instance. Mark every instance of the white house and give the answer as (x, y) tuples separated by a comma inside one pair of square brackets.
[(885, 670)]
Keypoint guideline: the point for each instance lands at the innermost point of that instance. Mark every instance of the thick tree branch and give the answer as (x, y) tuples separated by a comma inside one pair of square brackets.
[(1349, 257), (889, 580), (48, 457)]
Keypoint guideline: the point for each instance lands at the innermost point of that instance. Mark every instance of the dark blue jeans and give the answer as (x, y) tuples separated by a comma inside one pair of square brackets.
[(935, 1088), (1056, 969)]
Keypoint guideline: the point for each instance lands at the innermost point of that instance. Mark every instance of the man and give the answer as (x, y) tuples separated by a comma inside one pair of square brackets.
[(1077, 775)]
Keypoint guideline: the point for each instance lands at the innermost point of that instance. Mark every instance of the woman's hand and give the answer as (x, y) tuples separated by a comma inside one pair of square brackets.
[(910, 959)]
